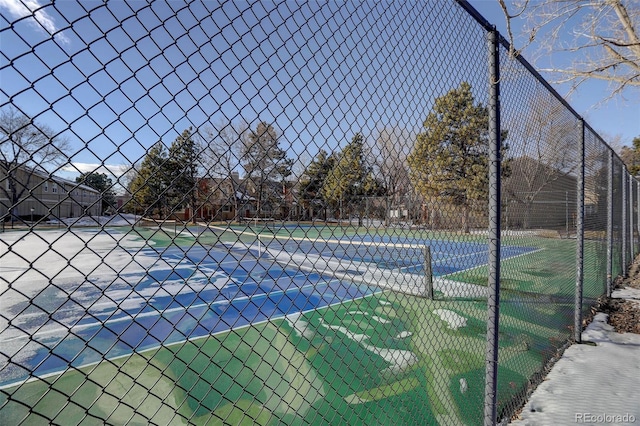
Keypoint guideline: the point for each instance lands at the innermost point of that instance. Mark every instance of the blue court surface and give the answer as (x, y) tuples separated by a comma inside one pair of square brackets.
[(208, 290)]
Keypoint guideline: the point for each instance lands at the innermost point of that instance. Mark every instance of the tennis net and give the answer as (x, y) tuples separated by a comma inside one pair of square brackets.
[(400, 267)]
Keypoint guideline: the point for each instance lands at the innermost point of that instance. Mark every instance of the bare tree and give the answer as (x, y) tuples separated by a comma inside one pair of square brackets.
[(26, 149), (265, 163), (221, 161), (617, 142), (389, 158), (602, 38), (127, 173), (544, 151)]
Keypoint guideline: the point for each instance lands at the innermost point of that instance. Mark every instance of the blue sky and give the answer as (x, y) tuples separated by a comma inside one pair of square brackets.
[(116, 77)]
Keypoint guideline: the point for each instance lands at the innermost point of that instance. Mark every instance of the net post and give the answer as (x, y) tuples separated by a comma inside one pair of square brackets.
[(428, 272)]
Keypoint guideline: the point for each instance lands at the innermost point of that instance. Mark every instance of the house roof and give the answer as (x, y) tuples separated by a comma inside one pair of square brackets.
[(57, 179)]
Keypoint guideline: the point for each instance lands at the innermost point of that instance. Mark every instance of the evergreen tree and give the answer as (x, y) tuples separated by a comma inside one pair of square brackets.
[(102, 183), (149, 186), (351, 179), (631, 156), (182, 172), (265, 163), (449, 161), (313, 180)]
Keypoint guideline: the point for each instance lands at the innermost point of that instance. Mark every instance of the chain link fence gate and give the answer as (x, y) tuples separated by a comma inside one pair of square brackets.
[(282, 213)]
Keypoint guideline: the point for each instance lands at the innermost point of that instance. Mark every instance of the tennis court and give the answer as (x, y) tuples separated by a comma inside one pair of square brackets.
[(184, 293), (248, 325)]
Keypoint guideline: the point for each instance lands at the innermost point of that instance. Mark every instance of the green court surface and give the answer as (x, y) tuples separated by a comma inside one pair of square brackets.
[(385, 358)]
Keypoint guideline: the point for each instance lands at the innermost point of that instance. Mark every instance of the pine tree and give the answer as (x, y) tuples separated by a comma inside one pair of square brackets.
[(102, 183), (351, 179), (631, 156), (450, 159), (313, 180), (182, 172), (149, 187)]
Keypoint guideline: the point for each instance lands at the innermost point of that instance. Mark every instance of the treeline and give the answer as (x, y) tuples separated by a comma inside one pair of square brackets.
[(447, 161)]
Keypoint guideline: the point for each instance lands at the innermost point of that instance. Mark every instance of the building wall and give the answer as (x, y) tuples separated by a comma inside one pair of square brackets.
[(49, 196), (536, 196)]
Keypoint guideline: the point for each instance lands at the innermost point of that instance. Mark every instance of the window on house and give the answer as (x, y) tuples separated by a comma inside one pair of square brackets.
[(54, 188), (46, 187)]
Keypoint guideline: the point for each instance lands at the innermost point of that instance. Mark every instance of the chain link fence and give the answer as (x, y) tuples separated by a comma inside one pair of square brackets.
[(290, 213)]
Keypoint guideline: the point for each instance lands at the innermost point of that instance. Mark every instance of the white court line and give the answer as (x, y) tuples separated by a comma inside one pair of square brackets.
[(164, 311), (78, 327), (178, 342), (485, 264)]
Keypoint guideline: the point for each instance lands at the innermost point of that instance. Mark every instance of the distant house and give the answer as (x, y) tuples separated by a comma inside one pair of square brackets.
[(538, 196), (47, 196), (218, 199)]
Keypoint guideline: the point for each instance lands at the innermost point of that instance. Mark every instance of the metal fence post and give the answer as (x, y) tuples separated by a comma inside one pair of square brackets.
[(493, 305), (634, 231), (637, 214), (610, 224), (577, 319), (623, 265), (631, 242)]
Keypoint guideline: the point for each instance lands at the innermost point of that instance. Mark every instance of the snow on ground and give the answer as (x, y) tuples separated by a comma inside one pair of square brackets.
[(116, 220), (453, 320), (51, 281), (592, 384)]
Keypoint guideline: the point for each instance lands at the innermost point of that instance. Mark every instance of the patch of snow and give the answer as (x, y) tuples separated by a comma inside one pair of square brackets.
[(628, 293), (452, 288), (591, 384), (399, 360), (122, 219), (103, 273), (453, 320), (380, 319), (463, 385), (300, 327)]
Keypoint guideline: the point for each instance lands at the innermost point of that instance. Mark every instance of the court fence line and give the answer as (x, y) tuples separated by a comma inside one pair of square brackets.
[(288, 213)]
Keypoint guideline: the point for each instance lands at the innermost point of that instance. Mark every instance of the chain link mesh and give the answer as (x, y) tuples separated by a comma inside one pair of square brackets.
[(276, 213)]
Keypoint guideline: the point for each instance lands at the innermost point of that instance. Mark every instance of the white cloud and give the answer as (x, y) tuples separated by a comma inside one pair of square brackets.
[(40, 18), (111, 170)]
